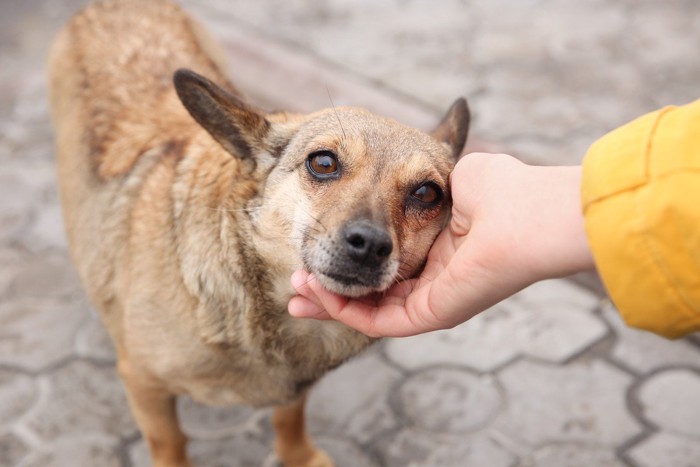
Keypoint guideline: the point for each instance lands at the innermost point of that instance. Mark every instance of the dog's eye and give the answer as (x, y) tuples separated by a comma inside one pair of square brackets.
[(428, 193), (322, 164)]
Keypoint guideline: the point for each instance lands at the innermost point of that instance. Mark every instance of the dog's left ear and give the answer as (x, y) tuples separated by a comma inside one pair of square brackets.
[(237, 126), (454, 127)]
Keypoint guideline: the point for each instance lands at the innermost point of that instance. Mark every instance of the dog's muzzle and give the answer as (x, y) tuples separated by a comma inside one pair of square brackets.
[(357, 259)]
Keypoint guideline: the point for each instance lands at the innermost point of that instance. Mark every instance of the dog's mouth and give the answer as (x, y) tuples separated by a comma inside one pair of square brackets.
[(351, 285), (351, 281)]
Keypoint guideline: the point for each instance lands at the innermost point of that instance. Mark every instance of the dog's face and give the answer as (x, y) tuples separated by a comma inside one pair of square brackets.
[(358, 198)]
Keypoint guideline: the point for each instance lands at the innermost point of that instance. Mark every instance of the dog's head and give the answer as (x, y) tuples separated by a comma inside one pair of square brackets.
[(355, 198)]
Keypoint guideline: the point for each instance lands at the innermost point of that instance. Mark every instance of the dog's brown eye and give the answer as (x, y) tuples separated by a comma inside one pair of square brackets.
[(322, 164), (428, 193)]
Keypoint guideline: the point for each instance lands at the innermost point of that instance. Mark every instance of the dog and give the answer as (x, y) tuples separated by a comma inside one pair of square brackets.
[(187, 209)]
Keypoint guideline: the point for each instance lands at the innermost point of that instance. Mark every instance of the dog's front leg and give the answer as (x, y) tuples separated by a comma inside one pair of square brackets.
[(293, 445), (154, 409)]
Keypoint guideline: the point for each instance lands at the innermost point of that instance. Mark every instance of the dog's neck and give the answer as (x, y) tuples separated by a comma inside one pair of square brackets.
[(250, 255)]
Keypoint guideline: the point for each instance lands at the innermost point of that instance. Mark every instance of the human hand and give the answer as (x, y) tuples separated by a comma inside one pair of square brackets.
[(512, 225)]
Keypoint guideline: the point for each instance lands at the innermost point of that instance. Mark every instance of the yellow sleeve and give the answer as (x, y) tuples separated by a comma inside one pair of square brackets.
[(641, 202)]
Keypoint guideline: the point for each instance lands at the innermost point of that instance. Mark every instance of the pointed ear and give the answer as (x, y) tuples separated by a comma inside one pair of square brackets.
[(237, 126), (454, 127)]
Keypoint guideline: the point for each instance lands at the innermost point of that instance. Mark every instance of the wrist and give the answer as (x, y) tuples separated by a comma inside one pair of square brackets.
[(564, 245)]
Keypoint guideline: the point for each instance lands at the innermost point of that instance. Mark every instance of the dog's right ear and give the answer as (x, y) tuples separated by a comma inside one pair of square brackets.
[(237, 126)]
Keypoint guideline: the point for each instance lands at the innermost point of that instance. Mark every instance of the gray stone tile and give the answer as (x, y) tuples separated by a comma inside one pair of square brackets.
[(572, 455), (201, 421), (665, 450), (18, 393), (275, 74), (582, 402), (82, 398), (92, 340), (10, 261), (248, 448), (12, 449), (16, 202), (671, 400), (395, 42), (46, 276), (244, 450), (415, 448), (644, 351), (37, 333), (551, 320), (449, 400), (85, 451), (548, 79), (45, 231), (345, 453), (353, 400)]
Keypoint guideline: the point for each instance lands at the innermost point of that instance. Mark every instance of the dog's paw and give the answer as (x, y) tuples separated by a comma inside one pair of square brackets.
[(318, 459), (315, 458)]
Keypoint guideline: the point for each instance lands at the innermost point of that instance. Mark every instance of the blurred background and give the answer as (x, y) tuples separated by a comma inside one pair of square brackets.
[(550, 377)]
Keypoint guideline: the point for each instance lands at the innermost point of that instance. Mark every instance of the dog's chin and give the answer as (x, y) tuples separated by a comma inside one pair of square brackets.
[(347, 287)]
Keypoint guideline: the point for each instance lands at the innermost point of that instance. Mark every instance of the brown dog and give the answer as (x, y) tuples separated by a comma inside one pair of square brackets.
[(187, 210)]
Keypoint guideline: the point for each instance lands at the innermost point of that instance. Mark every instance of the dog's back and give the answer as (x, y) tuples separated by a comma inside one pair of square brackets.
[(105, 92)]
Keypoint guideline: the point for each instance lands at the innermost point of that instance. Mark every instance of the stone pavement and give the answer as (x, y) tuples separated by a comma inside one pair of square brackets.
[(550, 377)]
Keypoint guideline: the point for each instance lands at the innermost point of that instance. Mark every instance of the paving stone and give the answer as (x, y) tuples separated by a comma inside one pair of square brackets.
[(10, 260), (345, 453), (201, 421), (12, 449), (83, 452), (37, 333), (31, 103), (671, 399), (46, 276), (395, 42), (45, 231), (352, 400), (551, 320), (276, 75), (92, 340), (410, 447), (82, 398), (16, 201), (582, 402), (572, 455), (17, 394), (644, 351), (243, 450), (448, 400), (665, 450), (551, 77)]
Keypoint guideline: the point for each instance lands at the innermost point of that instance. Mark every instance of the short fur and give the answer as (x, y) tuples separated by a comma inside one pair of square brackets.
[(187, 209)]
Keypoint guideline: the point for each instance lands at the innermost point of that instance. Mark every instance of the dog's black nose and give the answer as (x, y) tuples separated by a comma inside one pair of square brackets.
[(367, 243)]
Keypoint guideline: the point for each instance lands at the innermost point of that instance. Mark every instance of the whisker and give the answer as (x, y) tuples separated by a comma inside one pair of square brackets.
[(336, 112)]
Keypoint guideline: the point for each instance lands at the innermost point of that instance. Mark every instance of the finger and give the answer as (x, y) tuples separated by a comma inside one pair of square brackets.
[(300, 281), (302, 307), (324, 298), (389, 318)]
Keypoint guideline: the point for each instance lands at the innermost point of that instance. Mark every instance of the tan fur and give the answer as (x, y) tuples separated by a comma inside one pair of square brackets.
[(185, 234)]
